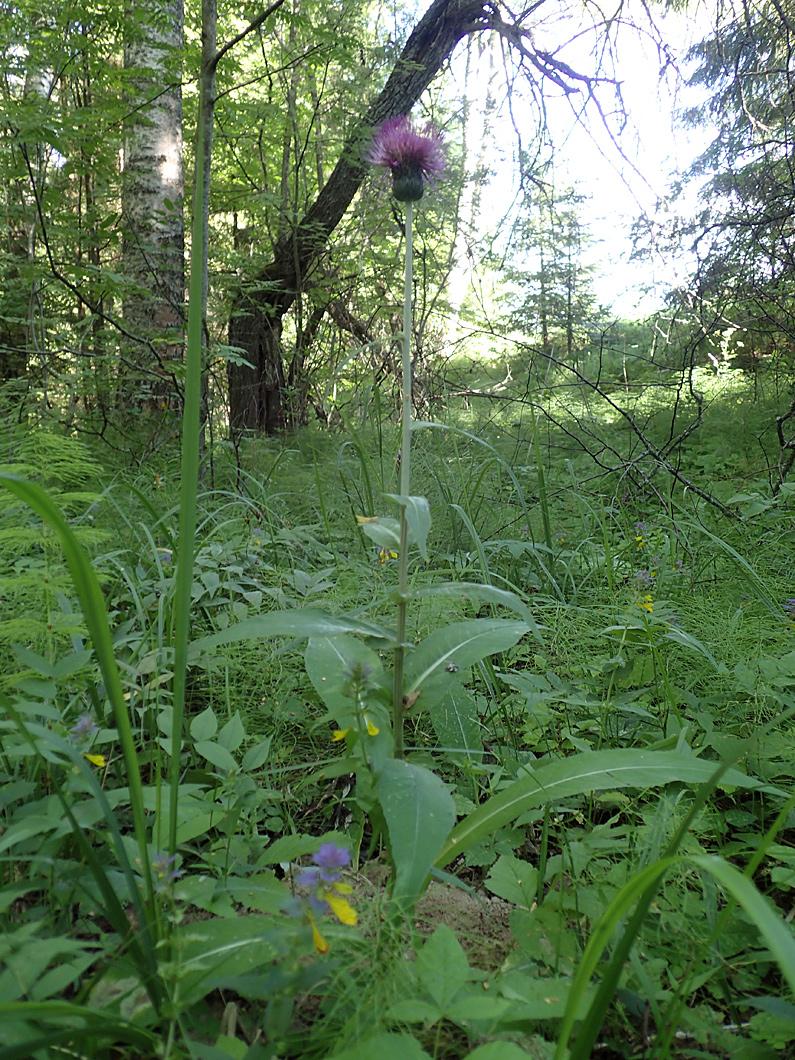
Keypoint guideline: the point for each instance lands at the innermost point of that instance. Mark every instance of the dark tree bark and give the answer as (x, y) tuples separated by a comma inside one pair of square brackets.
[(256, 392)]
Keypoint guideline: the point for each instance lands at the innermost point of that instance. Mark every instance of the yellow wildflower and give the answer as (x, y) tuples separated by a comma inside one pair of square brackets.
[(320, 943)]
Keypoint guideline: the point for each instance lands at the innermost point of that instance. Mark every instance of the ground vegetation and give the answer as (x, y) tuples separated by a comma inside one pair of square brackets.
[(451, 715)]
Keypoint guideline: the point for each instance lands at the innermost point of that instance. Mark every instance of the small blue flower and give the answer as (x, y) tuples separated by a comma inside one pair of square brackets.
[(165, 873), (330, 856), (328, 894), (84, 728), (329, 860)]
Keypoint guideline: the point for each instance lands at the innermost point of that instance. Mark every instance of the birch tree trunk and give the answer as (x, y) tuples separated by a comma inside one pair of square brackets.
[(19, 287), (152, 193)]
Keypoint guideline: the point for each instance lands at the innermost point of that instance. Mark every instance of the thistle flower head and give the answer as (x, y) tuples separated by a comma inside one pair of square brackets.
[(411, 156)]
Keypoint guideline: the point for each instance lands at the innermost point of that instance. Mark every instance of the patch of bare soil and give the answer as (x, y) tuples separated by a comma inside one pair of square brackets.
[(480, 921)]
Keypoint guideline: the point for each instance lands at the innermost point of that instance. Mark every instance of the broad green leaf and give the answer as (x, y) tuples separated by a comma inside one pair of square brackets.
[(442, 967), (71, 663), (498, 1051), (194, 822), (383, 530), (534, 998), (457, 647), (580, 775), (288, 848), (328, 663), (233, 733), (257, 755), (212, 949), (303, 622), (477, 1006), (205, 725), (262, 892), (513, 880), (64, 667), (215, 754), (384, 1047), (481, 594), (418, 519), (454, 716), (419, 813), (414, 1010)]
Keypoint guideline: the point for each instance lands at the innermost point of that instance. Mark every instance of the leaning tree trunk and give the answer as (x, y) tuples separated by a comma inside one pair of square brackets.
[(152, 191), (256, 389)]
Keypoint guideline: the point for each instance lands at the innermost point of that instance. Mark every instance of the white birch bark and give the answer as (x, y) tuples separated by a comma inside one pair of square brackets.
[(153, 188)]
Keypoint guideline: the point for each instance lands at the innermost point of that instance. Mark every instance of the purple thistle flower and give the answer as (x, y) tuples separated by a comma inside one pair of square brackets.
[(411, 156)]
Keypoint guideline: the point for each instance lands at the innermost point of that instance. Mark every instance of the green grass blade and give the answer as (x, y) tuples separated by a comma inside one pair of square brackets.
[(72, 1024), (618, 908), (92, 604), (772, 928), (581, 774)]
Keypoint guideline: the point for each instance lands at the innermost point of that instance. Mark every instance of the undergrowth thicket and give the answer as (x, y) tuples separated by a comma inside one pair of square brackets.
[(615, 754)]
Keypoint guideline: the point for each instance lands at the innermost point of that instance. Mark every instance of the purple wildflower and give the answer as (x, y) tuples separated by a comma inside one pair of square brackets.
[(330, 856), (411, 156), (644, 579), (327, 892), (308, 877), (328, 862), (84, 728), (789, 608), (165, 873)]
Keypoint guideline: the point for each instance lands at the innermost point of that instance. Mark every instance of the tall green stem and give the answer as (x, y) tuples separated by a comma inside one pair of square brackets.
[(405, 483), (191, 421)]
